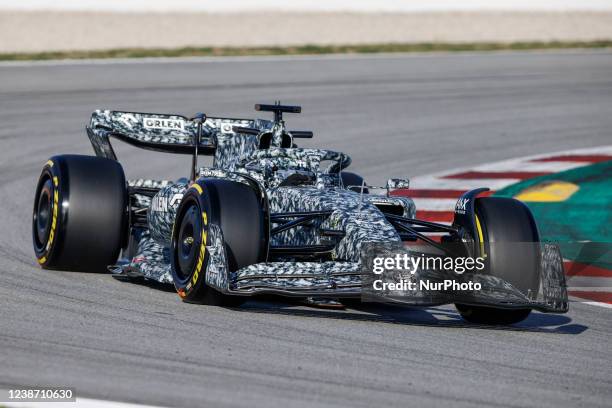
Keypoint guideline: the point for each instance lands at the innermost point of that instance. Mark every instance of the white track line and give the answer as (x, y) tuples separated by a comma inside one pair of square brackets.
[(591, 303), (435, 204), (433, 182), (589, 289), (80, 403), (523, 165), (591, 282)]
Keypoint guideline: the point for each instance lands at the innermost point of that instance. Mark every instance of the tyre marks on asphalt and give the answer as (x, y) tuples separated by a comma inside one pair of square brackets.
[(435, 196)]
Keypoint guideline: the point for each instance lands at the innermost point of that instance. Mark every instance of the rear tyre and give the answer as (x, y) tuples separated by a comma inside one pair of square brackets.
[(352, 182), (211, 205), (79, 219), (506, 220)]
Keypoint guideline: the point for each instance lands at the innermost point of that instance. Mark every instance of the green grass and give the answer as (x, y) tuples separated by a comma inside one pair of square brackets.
[(302, 50)]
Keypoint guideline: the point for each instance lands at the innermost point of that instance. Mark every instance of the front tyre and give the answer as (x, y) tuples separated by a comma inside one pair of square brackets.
[(509, 236), (210, 208), (79, 219)]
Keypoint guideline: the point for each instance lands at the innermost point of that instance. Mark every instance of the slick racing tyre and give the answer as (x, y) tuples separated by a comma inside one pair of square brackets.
[(216, 215), (352, 181), (80, 213), (509, 236)]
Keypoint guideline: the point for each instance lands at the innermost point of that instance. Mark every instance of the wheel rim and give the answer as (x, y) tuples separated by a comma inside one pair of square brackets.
[(188, 241), (42, 214)]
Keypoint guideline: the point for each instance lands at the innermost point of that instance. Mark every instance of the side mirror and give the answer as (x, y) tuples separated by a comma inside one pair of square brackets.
[(394, 184)]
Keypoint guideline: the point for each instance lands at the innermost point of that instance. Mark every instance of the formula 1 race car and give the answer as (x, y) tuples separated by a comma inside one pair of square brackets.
[(271, 218)]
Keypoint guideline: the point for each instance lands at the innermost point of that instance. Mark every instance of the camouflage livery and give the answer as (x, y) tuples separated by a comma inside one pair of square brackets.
[(292, 180)]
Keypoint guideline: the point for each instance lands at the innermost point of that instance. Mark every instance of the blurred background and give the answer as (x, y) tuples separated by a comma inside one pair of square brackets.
[(47, 25)]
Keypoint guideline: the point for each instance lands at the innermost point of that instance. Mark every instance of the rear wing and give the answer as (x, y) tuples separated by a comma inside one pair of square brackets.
[(161, 132)]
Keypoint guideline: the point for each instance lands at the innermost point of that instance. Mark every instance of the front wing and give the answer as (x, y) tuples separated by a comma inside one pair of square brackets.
[(352, 280)]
